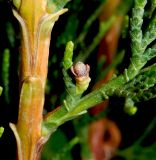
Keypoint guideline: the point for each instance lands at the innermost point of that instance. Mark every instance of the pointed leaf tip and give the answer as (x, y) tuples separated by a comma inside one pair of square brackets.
[(1, 131), (55, 5), (68, 55), (1, 90)]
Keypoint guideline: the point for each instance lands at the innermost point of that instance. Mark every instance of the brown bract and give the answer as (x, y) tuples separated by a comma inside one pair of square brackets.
[(104, 139), (80, 69)]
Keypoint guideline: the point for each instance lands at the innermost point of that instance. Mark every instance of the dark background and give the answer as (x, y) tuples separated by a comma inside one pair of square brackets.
[(132, 127)]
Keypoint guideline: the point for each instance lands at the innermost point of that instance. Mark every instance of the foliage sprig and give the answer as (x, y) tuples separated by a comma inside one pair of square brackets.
[(141, 54)]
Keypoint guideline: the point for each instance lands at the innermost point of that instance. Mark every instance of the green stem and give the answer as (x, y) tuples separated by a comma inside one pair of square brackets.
[(62, 114), (71, 110)]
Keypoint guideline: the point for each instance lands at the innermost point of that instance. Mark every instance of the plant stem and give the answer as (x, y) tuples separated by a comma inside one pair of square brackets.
[(61, 114), (36, 24)]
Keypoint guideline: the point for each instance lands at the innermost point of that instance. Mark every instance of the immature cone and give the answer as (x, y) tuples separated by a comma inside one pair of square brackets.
[(81, 72)]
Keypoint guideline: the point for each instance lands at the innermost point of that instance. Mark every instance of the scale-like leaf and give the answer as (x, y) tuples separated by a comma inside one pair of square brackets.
[(56, 5)]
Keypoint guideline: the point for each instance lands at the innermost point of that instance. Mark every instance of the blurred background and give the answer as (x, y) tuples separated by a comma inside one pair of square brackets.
[(100, 32)]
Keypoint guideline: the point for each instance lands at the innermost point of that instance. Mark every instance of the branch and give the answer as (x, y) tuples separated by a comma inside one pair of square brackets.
[(141, 88), (140, 56), (150, 33)]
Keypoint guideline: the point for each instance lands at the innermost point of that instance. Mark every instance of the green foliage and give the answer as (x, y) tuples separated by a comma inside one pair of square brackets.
[(1, 90), (87, 50), (55, 5), (141, 53), (129, 107), (1, 131), (68, 55), (136, 84), (125, 26), (144, 80), (151, 9), (5, 73), (56, 149), (137, 150), (17, 3), (11, 34)]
